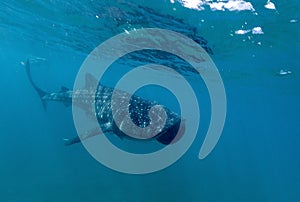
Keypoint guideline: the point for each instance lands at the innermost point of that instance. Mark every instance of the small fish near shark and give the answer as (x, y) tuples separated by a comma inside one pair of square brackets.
[(139, 111)]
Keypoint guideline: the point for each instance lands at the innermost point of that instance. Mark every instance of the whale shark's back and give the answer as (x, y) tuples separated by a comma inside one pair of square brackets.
[(138, 109)]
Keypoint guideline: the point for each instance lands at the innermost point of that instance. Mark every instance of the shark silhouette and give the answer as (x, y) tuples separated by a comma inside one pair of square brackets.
[(139, 111)]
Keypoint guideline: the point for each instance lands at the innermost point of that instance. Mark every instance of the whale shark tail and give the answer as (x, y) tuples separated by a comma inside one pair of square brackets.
[(40, 92)]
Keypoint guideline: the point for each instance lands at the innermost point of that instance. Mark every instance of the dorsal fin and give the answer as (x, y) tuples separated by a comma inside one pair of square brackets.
[(90, 81), (67, 103), (64, 89)]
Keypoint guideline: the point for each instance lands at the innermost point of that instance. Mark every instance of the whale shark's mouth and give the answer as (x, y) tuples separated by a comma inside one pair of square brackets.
[(172, 134)]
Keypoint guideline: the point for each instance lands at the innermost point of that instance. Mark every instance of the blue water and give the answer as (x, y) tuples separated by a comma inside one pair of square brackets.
[(257, 156)]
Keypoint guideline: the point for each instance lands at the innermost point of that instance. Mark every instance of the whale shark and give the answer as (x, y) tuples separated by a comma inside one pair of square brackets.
[(101, 101)]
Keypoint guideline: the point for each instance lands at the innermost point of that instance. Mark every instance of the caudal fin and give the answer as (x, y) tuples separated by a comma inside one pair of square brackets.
[(40, 92)]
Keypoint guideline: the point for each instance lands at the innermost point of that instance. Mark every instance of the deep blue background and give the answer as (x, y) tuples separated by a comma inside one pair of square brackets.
[(256, 159)]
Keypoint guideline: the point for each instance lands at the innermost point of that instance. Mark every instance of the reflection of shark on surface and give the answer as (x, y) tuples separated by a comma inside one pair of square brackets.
[(139, 111)]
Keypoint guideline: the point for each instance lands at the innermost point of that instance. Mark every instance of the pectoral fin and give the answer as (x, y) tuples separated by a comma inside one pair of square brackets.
[(82, 137)]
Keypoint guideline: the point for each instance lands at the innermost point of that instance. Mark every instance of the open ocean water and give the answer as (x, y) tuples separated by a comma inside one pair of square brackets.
[(254, 44)]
